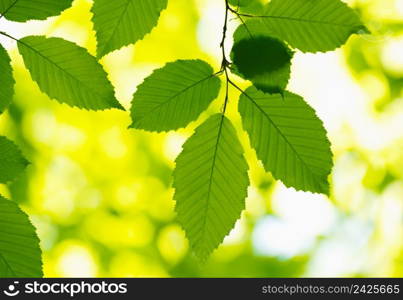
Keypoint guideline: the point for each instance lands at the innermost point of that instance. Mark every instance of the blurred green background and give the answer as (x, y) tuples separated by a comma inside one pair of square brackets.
[(100, 195)]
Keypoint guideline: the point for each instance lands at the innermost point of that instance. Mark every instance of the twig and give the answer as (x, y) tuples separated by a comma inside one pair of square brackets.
[(225, 62), (9, 36)]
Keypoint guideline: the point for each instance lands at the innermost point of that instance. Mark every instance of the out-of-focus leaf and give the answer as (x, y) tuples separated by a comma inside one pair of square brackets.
[(119, 23), (288, 138), (173, 96), (67, 73), (6, 80), (20, 254), (24, 10), (210, 181), (12, 163)]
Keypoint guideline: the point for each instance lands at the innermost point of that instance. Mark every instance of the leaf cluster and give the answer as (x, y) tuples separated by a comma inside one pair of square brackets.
[(211, 174)]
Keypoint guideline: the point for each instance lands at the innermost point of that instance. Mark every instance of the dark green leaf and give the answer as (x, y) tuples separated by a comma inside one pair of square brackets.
[(173, 96), (119, 23), (67, 73), (20, 254), (264, 60), (24, 10), (288, 138), (210, 181), (256, 56), (6, 80), (12, 163), (311, 25)]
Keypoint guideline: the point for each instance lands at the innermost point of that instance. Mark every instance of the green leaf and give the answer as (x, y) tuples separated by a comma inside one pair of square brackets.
[(6, 80), (210, 181), (20, 254), (247, 6), (264, 60), (119, 23), (12, 163), (24, 10), (241, 3), (67, 73), (288, 138), (175, 95), (311, 25)]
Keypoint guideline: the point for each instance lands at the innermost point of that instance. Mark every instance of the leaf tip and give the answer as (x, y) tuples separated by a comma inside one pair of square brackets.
[(101, 53), (118, 106), (361, 29)]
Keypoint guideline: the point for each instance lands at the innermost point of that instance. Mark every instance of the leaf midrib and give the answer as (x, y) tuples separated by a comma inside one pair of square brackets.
[(281, 133), (2, 14), (211, 178), (95, 91), (305, 20), (115, 28), (174, 96)]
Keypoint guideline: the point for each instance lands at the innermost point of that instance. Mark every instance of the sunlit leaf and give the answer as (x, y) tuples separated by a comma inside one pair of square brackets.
[(24, 10), (311, 25), (6, 80), (210, 181), (20, 254), (241, 3), (119, 23), (264, 60), (12, 163), (67, 73), (288, 138), (173, 96), (247, 6)]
